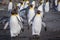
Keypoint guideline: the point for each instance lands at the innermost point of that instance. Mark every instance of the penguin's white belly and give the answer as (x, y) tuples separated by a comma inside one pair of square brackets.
[(59, 7), (14, 26), (47, 7), (40, 8), (36, 26), (30, 15)]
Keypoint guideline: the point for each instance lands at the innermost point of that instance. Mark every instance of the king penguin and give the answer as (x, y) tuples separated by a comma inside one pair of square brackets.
[(14, 24), (31, 13), (37, 25)]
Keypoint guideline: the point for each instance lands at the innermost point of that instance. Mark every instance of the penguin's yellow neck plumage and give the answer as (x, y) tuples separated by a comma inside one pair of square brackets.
[(10, 2), (41, 2), (31, 8), (22, 5), (15, 15), (38, 15)]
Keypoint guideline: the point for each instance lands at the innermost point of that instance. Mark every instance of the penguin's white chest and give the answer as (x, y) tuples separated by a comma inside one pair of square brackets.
[(31, 14), (13, 20), (14, 26)]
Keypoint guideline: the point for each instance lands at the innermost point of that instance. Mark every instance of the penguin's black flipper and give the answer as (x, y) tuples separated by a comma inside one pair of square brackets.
[(45, 28), (4, 19), (22, 29)]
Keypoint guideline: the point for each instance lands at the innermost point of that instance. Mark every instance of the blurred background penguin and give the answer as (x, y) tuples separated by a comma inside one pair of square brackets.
[(22, 13), (10, 7), (33, 3), (40, 8), (26, 4), (30, 14), (58, 5), (47, 6)]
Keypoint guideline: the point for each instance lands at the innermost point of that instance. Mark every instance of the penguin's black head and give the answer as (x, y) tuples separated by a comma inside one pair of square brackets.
[(21, 3), (47, 0), (10, 0), (14, 12), (31, 6), (38, 12), (58, 1), (23, 0), (40, 0), (27, 0)]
